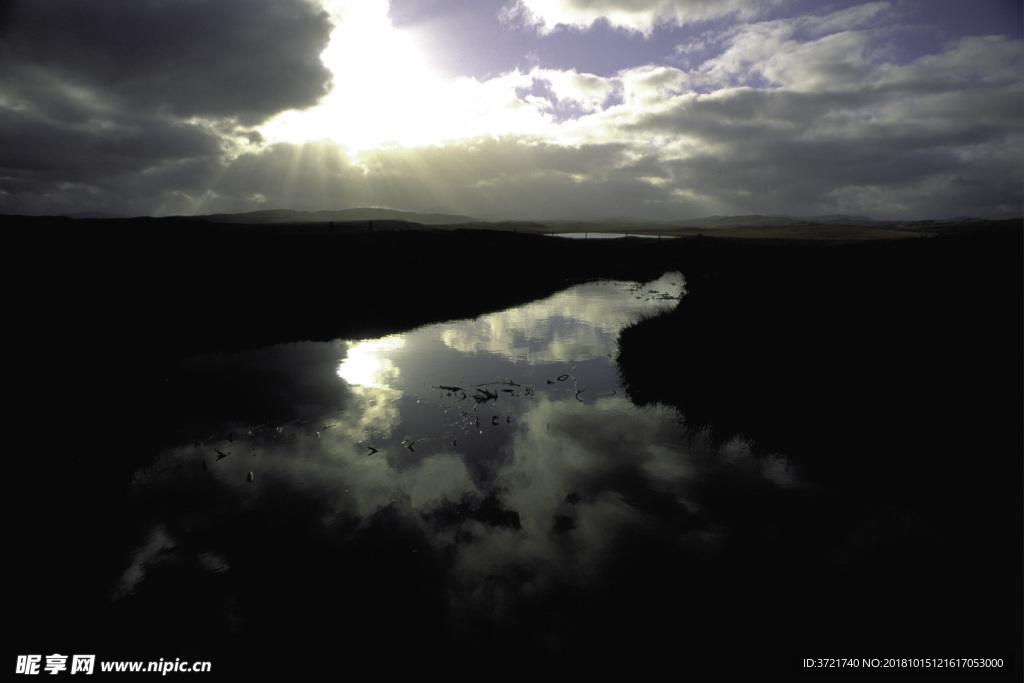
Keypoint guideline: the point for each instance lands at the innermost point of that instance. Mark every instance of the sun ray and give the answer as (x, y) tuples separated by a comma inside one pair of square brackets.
[(385, 95), (382, 92)]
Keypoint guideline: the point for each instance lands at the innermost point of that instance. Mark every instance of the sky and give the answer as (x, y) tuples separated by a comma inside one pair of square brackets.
[(514, 109)]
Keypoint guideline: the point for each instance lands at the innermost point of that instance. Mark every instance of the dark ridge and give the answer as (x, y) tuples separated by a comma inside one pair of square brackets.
[(278, 216)]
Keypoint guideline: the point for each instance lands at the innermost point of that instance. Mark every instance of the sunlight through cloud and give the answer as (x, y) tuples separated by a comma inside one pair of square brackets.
[(384, 96)]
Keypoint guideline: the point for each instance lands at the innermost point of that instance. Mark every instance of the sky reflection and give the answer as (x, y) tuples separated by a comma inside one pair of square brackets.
[(366, 364), (503, 443)]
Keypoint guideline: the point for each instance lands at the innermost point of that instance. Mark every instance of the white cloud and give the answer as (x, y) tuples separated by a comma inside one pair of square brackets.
[(856, 17), (642, 16), (587, 91)]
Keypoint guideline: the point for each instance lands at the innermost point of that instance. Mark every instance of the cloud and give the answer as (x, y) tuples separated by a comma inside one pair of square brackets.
[(573, 92), (805, 114), (791, 114), (239, 59), (518, 176), (642, 16), (98, 97), (80, 151)]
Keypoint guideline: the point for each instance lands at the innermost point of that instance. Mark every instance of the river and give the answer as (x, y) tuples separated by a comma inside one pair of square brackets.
[(480, 484)]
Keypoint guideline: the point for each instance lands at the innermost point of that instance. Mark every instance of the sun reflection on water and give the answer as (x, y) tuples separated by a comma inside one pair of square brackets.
[(366, 365)]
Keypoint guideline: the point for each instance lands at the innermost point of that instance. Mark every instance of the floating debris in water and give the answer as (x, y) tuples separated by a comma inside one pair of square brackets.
[(251, 477), (483, 395)]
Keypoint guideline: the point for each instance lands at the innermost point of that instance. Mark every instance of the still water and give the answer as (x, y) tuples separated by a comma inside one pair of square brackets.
[(608, 235), (483, 482)]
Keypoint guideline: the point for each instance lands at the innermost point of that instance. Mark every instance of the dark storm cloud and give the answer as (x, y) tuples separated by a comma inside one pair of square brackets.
[(78, 151), (117, 163), (100, 94), (243, 59)]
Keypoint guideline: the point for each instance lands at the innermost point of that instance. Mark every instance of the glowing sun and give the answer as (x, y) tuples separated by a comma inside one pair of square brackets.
[(382, 93), (385, 95)]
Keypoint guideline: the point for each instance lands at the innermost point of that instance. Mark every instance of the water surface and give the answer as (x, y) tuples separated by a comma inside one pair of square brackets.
[(482, 482), (608, 235)]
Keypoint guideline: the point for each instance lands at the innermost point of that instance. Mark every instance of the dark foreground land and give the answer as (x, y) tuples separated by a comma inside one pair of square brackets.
[(890, 375), (888, 372)]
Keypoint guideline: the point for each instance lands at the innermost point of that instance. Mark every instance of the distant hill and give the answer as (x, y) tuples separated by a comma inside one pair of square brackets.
[(760, 221), (613, 224), (843, 219), (829, 226), (101, 215), (342, 215), (753, 220)]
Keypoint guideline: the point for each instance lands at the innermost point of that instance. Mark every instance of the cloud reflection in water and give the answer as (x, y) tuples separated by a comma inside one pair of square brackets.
[(502, 446)]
